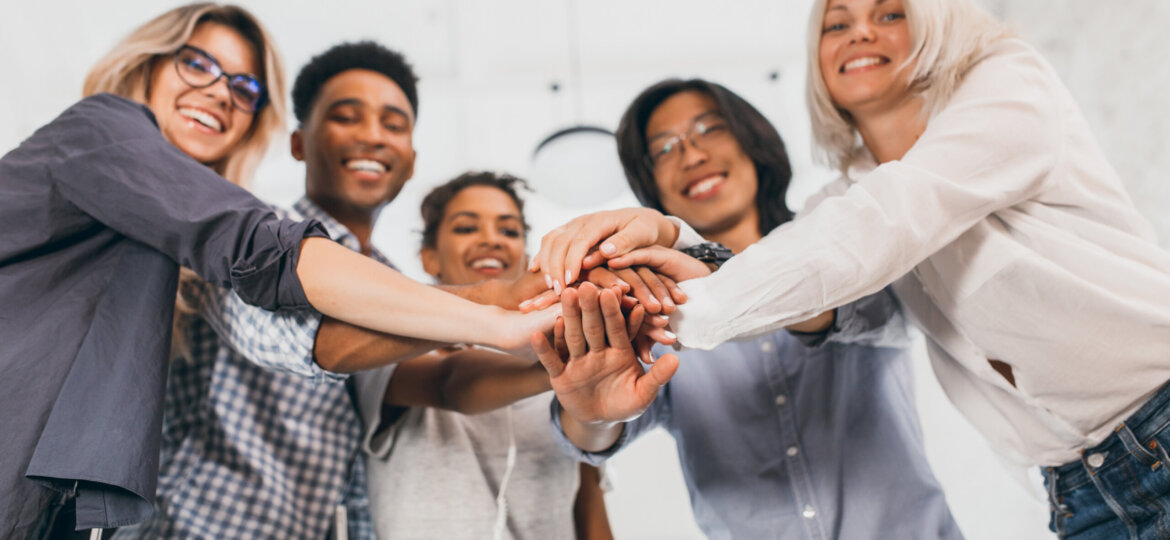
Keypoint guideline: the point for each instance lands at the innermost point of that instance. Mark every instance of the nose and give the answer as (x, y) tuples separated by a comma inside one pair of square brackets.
[(862, 30), (220, 92), (370, 132), (490, 236), (693, 156)]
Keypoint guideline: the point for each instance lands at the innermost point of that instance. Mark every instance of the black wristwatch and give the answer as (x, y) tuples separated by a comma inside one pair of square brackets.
[(709, 252)]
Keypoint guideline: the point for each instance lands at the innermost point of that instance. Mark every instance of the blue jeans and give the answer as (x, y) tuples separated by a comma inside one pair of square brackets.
[(1121, 487)]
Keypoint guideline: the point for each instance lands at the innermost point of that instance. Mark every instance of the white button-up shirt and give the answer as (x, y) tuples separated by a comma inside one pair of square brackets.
[(1007, 236)]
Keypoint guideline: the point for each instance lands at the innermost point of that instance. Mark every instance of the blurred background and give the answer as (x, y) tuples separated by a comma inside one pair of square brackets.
[(499, 77)]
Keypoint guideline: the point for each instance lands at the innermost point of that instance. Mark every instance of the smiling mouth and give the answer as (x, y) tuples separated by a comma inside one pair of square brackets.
[(704, 186), (864, 62), (489, 264), (366, 166), (203, 118)]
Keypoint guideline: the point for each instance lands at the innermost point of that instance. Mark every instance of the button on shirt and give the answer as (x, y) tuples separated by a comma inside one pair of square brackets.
[(97, 210), (1007, 236), (782, 440), (258, 440)]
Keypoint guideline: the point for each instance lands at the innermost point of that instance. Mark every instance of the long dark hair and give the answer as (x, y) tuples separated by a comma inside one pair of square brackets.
[(754, 133)]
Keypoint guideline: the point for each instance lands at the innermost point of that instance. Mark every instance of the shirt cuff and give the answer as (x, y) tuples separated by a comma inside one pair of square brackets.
[(571, 450), (687, 236)]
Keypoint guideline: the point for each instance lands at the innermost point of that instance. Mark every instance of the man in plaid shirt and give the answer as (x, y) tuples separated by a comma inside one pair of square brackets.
[(260, 440)]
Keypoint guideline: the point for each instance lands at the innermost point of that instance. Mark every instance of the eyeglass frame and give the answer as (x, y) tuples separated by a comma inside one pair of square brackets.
[(688, 136), (261, 101)]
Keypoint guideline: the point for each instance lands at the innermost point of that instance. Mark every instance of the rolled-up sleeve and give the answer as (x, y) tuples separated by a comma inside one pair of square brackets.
[(108, 158), (993, 146)]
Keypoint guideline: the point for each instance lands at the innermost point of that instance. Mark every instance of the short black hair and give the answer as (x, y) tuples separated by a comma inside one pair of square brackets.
[(434, 205), (346, 56), (754, 133)]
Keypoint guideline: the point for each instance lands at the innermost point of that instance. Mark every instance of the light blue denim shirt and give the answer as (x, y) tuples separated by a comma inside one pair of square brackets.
[(813, 437)]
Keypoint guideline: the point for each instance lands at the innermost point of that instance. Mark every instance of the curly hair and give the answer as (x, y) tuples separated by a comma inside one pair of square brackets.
[(434, 205), (346, 56)]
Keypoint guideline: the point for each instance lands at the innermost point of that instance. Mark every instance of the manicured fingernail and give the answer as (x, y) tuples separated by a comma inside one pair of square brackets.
[(568, 276), (556, 287), (548, 281), (525, 303), (625, 286), (608, 248), (663, 318), (669, 334)]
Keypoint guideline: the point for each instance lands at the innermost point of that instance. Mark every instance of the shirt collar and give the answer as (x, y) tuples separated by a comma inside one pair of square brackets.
[(338, 232)]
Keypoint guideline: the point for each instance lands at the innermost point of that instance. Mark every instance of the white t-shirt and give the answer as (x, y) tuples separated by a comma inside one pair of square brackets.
[(437, 474)]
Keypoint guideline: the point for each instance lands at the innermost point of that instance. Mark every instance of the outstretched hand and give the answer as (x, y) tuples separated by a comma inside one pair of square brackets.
[(598, 378), (563, 251)]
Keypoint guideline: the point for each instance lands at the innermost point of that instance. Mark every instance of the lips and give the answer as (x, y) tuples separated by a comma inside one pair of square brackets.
[(366, 165), (704, 187), (203, 118), (488, 264), (863, 62)]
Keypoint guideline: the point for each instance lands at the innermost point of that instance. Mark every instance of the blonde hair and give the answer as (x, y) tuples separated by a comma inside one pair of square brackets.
[(947, 38), (126, 71)]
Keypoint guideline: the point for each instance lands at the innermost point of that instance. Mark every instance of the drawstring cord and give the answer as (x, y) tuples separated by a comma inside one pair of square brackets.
[(501, 500)]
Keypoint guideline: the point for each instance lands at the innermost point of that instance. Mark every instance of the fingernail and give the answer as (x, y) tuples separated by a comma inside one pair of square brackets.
[(525, 303), (625, 286), (669, 334), (663, 318), (548, 280), (568, 276), (608, 248), (556, 287)]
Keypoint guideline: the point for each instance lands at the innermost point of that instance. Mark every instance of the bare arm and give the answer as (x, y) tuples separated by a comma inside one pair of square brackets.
[(468, 381), (348, 286), (592, 521)]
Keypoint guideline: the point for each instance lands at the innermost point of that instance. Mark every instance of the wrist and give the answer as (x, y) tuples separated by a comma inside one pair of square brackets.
[(667, 231)]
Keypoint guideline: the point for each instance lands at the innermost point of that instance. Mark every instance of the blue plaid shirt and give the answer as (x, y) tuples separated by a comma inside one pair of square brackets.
[(258, 440)]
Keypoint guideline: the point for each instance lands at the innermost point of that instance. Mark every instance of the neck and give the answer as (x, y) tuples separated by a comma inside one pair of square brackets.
[(739, 235), (359, 220), (890, 132)]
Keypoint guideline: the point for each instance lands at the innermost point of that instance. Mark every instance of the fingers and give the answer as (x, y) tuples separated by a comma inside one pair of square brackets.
[(676, 292), (574, 336), (547, 355), (540, 301), (634, 320), (615, 323), (657, 288), (592, 325), (559, 338), (640, 290), (605, 278), (674, 264)]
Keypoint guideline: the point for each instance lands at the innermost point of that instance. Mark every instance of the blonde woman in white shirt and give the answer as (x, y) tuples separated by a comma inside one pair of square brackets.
[(971, 183)]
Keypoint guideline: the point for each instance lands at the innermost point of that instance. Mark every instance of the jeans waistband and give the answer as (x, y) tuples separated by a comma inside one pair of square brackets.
[(1144, 423)]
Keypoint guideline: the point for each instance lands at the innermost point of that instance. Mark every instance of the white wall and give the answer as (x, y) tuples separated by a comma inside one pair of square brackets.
[(487, 72)]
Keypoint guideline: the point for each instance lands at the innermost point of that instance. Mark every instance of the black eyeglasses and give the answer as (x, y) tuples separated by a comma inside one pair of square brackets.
[(199, 69), (668, 150)]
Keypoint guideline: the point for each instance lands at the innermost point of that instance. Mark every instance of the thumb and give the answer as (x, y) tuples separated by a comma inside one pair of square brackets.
[(659, 374)]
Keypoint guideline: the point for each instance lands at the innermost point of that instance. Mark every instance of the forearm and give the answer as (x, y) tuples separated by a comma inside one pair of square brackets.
[(476, 384), (592, 521), (344, 348), (591, 437), (350, 287)]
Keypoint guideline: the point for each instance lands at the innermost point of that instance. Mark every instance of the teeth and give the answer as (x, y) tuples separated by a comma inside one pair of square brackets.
[(704, 186), (487, 263), (862, 62), (365, 165), (202, 117)]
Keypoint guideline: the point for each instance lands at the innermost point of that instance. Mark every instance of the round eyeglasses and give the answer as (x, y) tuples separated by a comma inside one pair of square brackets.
[(199, 69), (667, 150)]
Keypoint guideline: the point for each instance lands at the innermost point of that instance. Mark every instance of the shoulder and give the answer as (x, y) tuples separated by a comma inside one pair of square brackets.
[(104, 119)]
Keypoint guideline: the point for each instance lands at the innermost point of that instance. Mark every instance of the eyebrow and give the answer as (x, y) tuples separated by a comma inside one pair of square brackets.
[(470, 214), (697, 117), (355, 102)]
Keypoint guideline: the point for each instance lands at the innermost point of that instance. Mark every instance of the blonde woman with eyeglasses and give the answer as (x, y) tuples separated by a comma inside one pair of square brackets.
[(101, 206)]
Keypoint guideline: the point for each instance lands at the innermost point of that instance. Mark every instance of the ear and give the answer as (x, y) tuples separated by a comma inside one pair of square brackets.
[(430, 261), (413, 158), (296, 144)]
